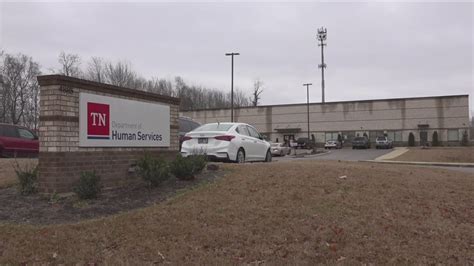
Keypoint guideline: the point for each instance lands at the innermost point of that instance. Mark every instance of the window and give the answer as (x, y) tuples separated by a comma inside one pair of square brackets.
[(453, 135), (394, 135), (242, 130), (391, 135), (398, 136), (25, 134), (8, 131), (253, 132), (331, 135)]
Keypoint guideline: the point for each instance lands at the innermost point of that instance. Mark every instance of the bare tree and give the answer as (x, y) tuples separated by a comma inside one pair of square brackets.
[(257, 90), (70, 64), (19, 92), (95, 70), (240, 99), (120, 74)]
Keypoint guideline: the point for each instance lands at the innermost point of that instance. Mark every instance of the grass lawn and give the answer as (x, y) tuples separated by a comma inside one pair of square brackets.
[(439, 154), (278, 213)]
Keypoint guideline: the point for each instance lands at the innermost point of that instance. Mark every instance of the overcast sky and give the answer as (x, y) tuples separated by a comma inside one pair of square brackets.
[(375, 50)]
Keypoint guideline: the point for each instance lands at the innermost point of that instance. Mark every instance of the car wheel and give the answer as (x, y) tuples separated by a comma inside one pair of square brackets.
[(240, 156), (268, 158)]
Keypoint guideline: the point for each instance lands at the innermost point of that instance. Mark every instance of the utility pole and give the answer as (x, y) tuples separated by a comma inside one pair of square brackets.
[(322, 34), (232, 86), (307, 103)]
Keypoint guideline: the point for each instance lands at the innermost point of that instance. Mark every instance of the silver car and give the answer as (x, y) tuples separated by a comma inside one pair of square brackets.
[(332, 144), (279, 149)]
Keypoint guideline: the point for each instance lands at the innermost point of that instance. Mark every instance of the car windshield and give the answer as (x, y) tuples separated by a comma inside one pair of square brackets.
[(380, 138), (330, 141), (214, 127), (276, 144)]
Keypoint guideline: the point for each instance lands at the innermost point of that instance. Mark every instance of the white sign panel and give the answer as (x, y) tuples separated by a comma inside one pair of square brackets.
[(113, 122)]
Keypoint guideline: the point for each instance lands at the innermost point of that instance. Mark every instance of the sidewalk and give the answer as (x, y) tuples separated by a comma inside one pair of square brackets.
[(422, 163), (395, 153), (399, 151)]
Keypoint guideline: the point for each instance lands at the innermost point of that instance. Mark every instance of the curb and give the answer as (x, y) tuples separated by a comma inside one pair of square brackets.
[(423, 163)]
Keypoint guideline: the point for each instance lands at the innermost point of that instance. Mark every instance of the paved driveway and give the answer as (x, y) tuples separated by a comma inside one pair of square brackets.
[(346, 154)]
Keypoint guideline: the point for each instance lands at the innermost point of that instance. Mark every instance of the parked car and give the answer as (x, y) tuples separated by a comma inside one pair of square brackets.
[(383, 143), (237, 142), (303, 143), (360, 142), (18, 141), (280, 149), (186, 125), (333, 144)]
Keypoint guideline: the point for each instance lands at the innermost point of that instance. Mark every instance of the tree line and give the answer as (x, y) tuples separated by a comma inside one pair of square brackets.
[(19, 89)]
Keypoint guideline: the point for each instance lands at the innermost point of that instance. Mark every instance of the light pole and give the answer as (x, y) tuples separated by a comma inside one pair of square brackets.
[(322, 34), (307, 102), (232, 86)]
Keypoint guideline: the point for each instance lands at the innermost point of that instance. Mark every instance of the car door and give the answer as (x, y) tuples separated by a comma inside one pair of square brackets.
[(259, 147), (8, 140), (246, 142), (27, 141)]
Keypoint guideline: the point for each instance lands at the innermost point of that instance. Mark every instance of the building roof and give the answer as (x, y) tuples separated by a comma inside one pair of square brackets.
[(336, 102)]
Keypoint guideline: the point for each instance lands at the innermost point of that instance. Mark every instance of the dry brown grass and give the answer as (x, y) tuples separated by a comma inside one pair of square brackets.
[(278, 213), (439, 154), (7, 172)]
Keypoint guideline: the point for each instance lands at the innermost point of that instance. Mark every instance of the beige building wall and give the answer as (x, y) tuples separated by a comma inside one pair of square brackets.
[(393, 116)]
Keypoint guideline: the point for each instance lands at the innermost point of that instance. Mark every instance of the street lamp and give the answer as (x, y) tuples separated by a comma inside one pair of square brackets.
[(307, 102), (232, 86), (322, 34)]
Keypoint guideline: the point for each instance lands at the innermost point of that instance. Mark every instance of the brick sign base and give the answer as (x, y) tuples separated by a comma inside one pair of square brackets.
[(61, 160)]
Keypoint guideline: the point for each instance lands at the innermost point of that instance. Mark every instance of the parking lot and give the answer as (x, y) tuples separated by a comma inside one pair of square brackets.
[(345, 154)]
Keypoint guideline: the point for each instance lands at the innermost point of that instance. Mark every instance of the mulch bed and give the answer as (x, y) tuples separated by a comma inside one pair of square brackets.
[(40, 210)]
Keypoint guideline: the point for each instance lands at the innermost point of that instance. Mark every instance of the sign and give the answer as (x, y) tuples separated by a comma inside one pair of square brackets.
[(114, 122)]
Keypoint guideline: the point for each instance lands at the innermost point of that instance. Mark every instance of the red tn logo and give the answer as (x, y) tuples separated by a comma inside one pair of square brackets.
[(98, 121)]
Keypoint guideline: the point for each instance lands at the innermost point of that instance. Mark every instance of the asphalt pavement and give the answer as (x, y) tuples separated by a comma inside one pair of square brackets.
[(348, 154), (345, 154)]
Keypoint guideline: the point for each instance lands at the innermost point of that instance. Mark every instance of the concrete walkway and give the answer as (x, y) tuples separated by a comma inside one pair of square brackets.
[(423, 163), (401, 150), (395, 153)]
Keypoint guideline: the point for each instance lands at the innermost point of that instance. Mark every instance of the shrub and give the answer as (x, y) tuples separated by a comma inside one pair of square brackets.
[(464, 140), (184, 167), (153, 171), (88, 186), (199, 162), (27, 179), (435, 141), (411, 140)]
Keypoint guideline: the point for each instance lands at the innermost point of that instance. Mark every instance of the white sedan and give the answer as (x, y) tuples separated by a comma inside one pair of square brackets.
[(236, 142)]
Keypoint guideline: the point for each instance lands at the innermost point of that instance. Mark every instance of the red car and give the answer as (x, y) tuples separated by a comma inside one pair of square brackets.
[(18, 141)]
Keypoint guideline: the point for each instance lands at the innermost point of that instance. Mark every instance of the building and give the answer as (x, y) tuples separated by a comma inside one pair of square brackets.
[(396, 118)]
